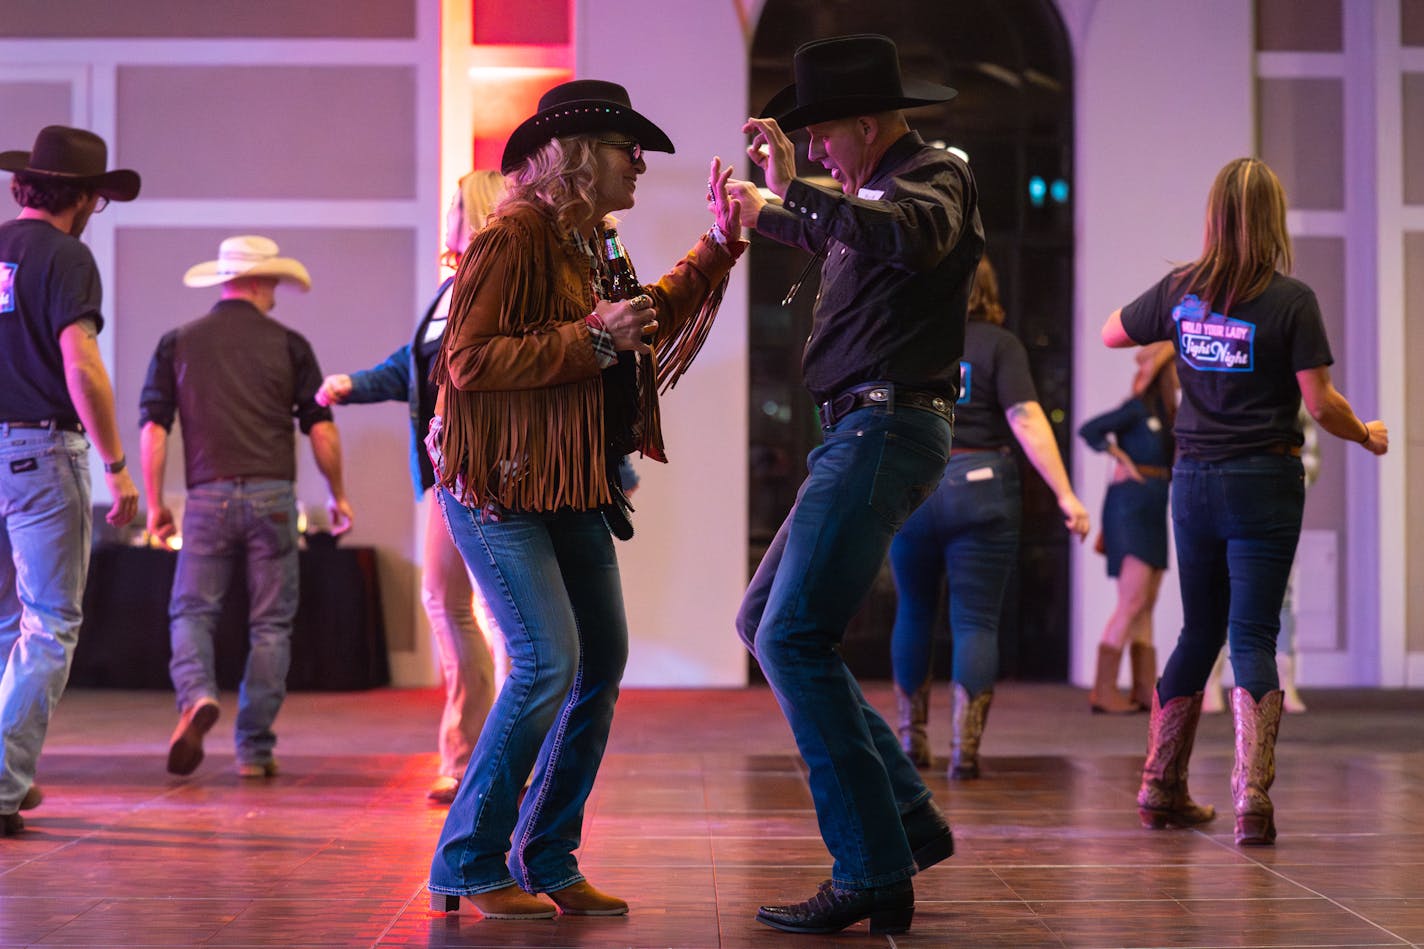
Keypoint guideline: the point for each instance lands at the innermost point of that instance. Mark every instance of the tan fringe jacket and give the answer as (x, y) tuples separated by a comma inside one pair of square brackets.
[(520, 388)]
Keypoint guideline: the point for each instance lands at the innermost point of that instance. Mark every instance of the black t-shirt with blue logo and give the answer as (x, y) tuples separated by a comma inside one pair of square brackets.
[(1239, 391), (48, 280), (993, 376)]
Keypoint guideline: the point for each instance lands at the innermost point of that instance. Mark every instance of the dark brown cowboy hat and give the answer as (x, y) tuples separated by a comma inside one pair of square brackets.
[(581, 107), (74, 155), (849, 75)]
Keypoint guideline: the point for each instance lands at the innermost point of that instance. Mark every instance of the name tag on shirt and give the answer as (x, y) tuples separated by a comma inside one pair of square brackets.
[(870, 194), (979, 474)]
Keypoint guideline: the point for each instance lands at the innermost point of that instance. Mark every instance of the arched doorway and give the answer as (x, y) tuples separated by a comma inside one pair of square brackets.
[(1012, 64)]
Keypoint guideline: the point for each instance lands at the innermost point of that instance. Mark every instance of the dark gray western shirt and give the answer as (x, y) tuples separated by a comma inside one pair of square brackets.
[(900, 259), (235, 378)]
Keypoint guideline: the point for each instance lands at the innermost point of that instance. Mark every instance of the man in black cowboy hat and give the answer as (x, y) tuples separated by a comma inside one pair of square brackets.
[(901, 238), (55, 391)]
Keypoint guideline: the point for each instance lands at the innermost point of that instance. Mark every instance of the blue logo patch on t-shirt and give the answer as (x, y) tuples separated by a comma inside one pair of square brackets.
[(7, 287), (966, 376), (1213, 342)]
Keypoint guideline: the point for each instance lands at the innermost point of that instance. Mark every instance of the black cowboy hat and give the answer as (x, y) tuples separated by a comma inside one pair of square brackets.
[(580, 107), (74, 155), (845, 76)]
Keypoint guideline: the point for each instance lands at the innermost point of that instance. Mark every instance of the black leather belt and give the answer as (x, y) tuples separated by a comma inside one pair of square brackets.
[(884, 394), (51, 424)]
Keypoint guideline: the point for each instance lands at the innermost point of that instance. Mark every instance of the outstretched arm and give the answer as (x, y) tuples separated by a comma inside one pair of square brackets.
[(1332, 411), (1031, 428)]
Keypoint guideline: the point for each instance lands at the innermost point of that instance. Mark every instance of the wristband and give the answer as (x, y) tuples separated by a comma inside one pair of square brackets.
[(114, 467), (1366, 439)]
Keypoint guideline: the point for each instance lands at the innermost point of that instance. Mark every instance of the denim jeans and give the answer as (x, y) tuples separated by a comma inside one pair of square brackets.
[(968, 531), (466, 665), (45, 524), (874, 467), (550, 581), (1237, 523), (224, 520)]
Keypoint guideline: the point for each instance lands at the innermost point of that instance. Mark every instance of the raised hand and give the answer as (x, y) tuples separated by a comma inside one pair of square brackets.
[(772, 152), (726, 209)]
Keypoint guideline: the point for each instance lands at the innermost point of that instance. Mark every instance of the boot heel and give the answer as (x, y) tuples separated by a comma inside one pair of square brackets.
[(890, 921), (1154, 820), (935, 851), (444, 903), (1255, 830)]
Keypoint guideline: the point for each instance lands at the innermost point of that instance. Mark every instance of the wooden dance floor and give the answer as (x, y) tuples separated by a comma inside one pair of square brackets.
[(700, 813)]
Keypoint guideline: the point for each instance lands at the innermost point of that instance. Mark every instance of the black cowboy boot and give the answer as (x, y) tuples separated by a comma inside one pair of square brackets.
[(889, 909)]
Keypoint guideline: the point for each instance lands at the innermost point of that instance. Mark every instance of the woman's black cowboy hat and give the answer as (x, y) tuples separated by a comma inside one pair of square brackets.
[(845, 76), (77, 156), (580, 107)]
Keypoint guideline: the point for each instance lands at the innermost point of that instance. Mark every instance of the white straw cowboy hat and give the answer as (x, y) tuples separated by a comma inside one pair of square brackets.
[(247, 256)]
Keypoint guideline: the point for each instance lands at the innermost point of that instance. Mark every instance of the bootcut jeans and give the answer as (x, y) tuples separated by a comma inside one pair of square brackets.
[(550, 581), (874, 467)]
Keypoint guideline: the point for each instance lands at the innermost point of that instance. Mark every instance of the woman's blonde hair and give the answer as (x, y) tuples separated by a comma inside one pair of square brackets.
[(984, 295), (480, 191), (1246, 240), (560, 175)]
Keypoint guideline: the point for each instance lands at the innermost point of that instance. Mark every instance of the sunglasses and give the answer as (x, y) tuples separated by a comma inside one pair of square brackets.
[(100, 204), (634, 150)]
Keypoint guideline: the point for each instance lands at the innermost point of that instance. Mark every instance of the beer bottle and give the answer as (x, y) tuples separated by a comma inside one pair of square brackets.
[(621, 282)]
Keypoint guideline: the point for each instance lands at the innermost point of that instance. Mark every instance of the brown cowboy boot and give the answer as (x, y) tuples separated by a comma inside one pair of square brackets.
[(1163, 801), (969, 717), (1105, 697), (914, 711), (1144, 674), (1257, 724)]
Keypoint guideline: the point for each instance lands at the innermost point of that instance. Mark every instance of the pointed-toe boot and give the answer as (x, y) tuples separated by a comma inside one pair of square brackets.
[(1105, 697), (1257, 724), (1144, 674), (970, 714), (914, 709), (1162, 800)]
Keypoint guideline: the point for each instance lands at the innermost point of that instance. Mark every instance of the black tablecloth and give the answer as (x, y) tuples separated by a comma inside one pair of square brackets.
[(338, 641)]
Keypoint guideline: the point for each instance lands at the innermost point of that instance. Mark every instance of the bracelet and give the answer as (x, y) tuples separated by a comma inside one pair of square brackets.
[(114, 467), (1366, 439)]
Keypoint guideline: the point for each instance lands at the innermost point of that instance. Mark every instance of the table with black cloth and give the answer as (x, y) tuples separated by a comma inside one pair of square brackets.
[(338, 639)]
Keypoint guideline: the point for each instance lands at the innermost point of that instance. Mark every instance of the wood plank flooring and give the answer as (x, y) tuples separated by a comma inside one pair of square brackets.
[(700, 813)]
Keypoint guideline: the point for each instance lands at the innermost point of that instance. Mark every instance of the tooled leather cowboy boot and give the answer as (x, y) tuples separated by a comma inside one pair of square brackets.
[(1257, 724), (914, 709), (970, 715), (1144, 674), (1105, 697), (1162, 800)]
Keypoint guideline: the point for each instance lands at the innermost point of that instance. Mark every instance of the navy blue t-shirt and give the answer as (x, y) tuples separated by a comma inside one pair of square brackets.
[(48, 280), (1239, 391), (993, 377)]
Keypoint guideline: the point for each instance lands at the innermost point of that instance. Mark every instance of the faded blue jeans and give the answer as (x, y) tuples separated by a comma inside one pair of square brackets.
[(550, 580), (45, 525), (224, 520), (968, 531), (874, 467), (1236, 523)]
